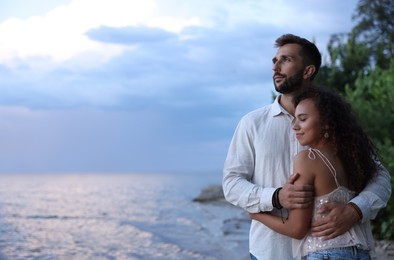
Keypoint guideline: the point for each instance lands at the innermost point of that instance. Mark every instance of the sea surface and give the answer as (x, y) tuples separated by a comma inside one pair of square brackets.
[(114, 216)]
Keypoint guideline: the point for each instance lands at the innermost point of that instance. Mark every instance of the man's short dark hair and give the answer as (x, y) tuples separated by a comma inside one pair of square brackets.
[(309, 51)]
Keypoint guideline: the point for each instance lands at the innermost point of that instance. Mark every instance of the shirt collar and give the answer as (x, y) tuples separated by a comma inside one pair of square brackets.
[(277, 109)]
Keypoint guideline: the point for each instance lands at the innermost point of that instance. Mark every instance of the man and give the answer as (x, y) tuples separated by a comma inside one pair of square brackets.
[(260, 160)]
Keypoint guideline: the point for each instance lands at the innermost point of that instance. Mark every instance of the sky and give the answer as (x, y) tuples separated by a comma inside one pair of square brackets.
[(141, 85)]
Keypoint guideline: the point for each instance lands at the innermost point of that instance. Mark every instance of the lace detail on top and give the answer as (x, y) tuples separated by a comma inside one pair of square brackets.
[(355, 236)]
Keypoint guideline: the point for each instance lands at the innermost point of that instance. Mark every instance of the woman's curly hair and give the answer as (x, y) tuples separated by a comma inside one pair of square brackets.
[(353, 146)]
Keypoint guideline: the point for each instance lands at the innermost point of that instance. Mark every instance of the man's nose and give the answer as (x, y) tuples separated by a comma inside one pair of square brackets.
[(275, 66)]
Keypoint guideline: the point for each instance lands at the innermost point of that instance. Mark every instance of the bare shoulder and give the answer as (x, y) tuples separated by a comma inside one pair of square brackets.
[(305, 166), (302, 158)]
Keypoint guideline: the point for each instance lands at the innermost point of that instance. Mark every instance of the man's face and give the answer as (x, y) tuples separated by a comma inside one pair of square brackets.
[(288, 69)]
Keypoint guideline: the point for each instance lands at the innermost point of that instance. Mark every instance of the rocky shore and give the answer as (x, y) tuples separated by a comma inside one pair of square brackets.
[(235, 226)]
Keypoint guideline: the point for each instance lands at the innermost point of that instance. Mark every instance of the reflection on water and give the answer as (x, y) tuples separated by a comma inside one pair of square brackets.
[(102, 217)]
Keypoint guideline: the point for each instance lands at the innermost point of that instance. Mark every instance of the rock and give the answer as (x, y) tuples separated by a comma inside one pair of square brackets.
[(236, 227), (384, 250), (210, 193)]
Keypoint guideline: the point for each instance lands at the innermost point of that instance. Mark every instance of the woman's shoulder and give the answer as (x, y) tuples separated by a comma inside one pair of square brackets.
[(305, 162), (303, 156), (305, 168)]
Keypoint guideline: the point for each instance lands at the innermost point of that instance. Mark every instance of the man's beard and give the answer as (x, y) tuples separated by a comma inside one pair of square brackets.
[(291, 84)]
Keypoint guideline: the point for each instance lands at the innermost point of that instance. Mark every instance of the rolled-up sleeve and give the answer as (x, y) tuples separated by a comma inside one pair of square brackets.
[(238, 172), (375, 195), (260, 158)]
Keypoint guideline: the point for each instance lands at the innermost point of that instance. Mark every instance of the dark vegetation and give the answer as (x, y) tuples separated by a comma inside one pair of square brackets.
[(361, 67)]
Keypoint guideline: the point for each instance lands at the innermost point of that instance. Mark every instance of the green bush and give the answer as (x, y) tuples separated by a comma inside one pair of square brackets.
[(372, 99)]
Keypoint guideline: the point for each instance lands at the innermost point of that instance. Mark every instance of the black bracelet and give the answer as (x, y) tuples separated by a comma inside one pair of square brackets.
[(275, 199)]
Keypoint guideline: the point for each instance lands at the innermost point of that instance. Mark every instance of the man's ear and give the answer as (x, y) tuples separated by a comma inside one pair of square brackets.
[(309, 71)]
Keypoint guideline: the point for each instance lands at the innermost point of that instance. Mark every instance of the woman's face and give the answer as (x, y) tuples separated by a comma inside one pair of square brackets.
[(307, 124)]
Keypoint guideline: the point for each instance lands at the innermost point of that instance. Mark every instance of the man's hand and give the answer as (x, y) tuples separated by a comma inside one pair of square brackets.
[(338, 219), (295, 196)]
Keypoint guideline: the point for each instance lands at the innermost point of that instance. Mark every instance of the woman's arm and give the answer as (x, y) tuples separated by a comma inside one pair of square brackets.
[(299, 220), (296, 226)]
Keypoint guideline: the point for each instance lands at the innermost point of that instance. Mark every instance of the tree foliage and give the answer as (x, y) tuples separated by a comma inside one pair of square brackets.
[(375, 28), (372, 99), (347, 58), (361, 67), (369, 44)]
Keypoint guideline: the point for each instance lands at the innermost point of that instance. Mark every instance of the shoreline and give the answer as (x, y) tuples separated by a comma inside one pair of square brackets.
[(235, 226)]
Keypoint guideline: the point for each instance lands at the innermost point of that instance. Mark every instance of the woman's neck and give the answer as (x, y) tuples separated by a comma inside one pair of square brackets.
[(325, 147)]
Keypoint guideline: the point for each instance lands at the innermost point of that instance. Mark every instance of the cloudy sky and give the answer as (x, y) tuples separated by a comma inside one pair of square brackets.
[(140, 85)]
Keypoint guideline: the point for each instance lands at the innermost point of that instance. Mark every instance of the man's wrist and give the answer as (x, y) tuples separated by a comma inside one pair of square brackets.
[(357, 210), (275, 199)]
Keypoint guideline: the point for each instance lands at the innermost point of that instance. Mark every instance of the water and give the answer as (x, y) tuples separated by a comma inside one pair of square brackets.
[(113, 216)]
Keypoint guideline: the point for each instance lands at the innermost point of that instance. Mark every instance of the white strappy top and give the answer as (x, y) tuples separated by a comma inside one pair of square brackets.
[(356, 236)]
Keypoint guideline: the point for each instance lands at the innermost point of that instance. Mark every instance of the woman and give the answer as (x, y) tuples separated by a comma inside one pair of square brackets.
[(339, 163)]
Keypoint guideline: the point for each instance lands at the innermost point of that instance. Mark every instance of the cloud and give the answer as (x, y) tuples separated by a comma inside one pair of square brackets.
[(129, 35), (209, 65), (167, 101), (130, 85), (60, 34)]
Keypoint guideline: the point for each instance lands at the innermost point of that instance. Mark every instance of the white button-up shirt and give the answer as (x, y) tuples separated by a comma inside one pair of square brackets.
[(260, 159)]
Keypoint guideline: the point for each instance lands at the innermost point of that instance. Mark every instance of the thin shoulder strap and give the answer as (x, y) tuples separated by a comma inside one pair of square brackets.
[(327, 162)]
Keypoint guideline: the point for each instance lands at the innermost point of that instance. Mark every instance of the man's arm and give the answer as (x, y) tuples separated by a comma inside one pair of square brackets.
[(238, 172), (342, 217), (254, 198), (375, 195)]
